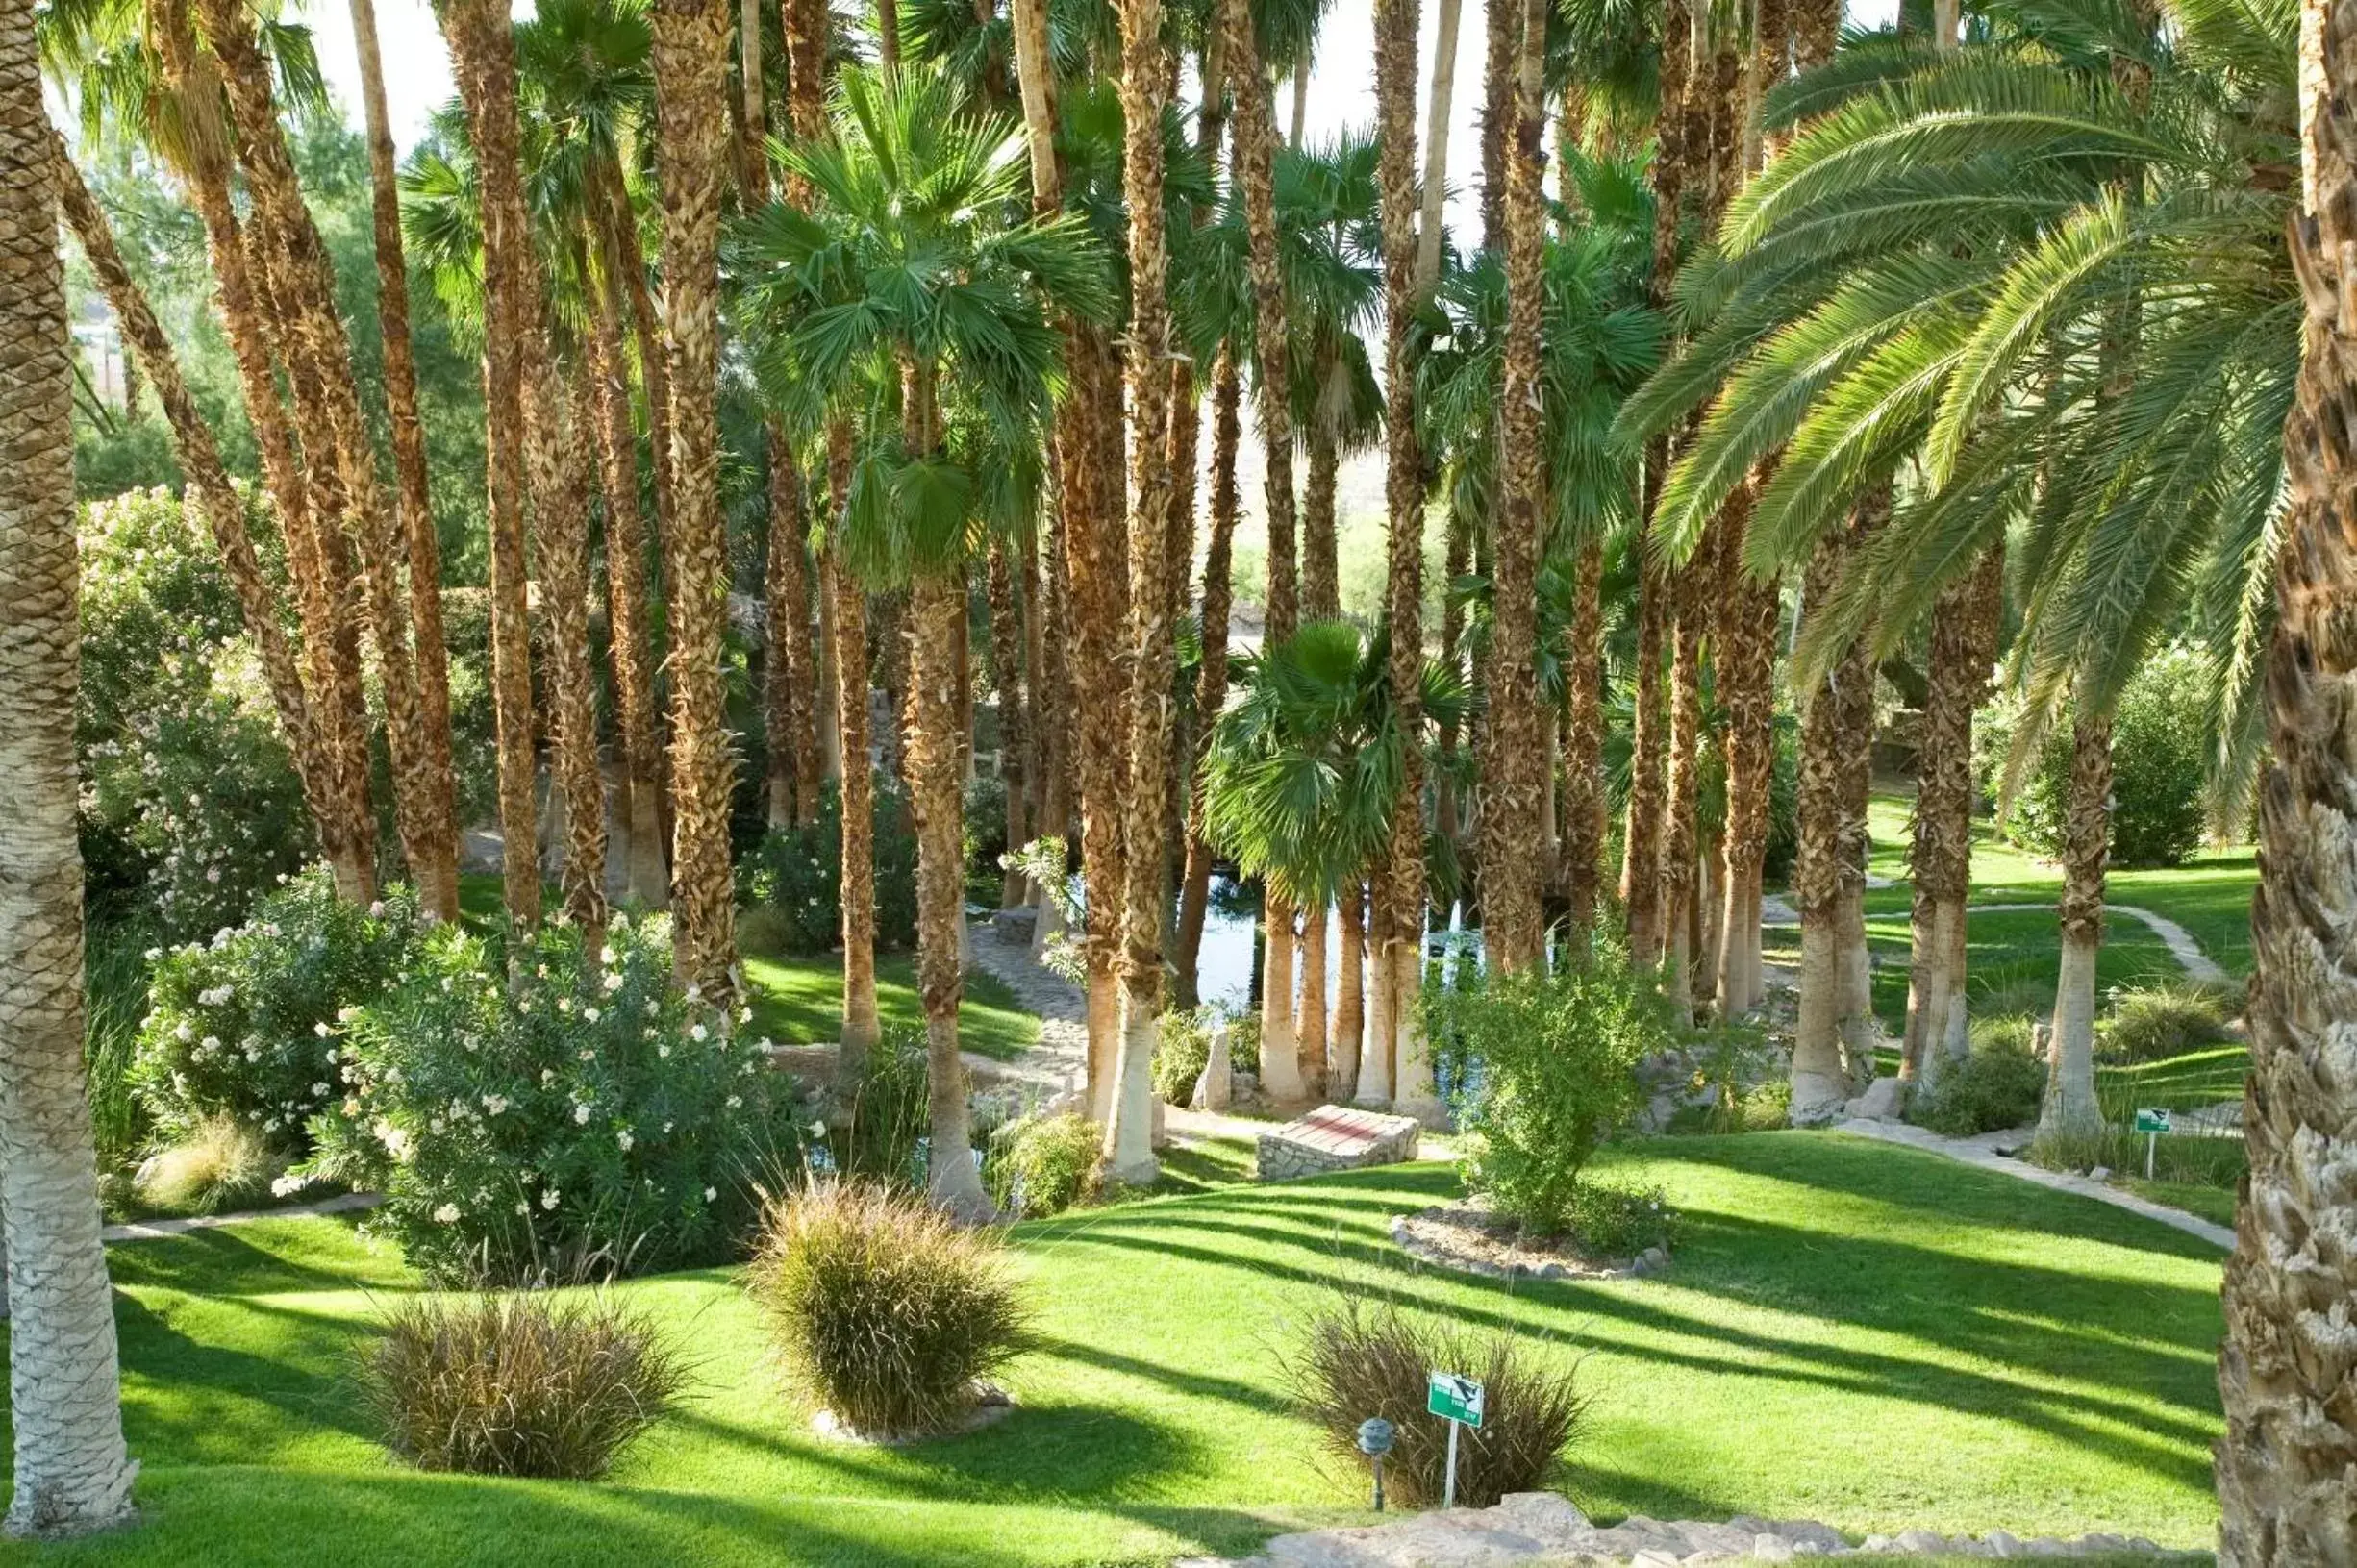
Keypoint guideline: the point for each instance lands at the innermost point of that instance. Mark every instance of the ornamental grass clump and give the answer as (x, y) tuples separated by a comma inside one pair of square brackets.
[(890, 1314), (1359, 1357), (1044, 1164), (518, 1382)]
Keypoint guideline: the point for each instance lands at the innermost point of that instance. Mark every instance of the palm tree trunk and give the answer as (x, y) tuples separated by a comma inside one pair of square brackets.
[(1678, 841), (2070, 1105), (787, 683), (626, 606), (1435, 142), (72, 1473), (1280, 1063), (692, 149), (1963, 633), (1400, 949), (1310, 1009), (483, 46), (936, 604), (1322, 598), (200, 462), (439, 879), (860, 1026), (1212, 675), (318, 336), (1745, 667), (556, 413), (1583, 747), (1346, 1039), (621, 225), (2285, 1367), (1014, 727), (1145, 873)]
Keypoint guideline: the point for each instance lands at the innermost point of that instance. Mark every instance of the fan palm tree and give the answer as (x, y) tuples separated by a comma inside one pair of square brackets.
[(2284, 1464), (71, 1471), (914, 281)]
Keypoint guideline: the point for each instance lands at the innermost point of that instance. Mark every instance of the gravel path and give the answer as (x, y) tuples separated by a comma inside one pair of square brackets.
[(1060, 1059), (151, 1230)]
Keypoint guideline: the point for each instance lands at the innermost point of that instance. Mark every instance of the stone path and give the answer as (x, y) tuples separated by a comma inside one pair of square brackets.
[(1982, 1151), (1542, 1527), (1059, 1061), (2197, 966), (151, 1230)]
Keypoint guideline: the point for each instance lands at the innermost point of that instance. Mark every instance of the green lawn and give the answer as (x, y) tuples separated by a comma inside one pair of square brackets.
[(1852, 1331)]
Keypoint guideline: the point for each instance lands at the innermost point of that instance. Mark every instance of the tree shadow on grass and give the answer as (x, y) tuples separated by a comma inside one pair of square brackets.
[(195, 1401), (233, 1260)]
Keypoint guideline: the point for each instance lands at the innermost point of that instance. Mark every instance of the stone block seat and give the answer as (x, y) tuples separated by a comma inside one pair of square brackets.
[(1336, 1139)]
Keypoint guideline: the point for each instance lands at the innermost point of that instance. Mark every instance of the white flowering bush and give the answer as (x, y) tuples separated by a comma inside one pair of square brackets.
[(190, 805), (249, 1024), (792, 881), (587, 1107)]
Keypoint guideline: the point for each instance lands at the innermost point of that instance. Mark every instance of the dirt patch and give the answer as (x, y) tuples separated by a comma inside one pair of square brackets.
[(1468, 1236)]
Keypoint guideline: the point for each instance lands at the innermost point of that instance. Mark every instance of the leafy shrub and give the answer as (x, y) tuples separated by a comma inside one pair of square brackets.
[(1542, 1069), (796, 875), (1360, 1359), (247, 1026), (1998, 1085), (517, 1383), (1620, 1222), (887, 1311), (190, 805), (2148, 1022), (1182, 1051), (2004, 1028), (589, 1107), (1045, 1164), (1738, 1074), (984, 835), (217, 1165), (2159, 761)]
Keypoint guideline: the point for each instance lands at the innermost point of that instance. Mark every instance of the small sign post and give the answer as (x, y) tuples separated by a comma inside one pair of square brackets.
[(2152, 1123), (1459, 1401)]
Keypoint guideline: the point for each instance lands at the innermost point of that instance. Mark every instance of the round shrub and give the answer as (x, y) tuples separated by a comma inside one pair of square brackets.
[(794, 877), (1613, 1221), (1999, 1085), (2160, 753), (586, 1110), (530, 1383), (1542, 1068), (1045, 1164), (890, 1313), (1359, 1359), (190, 805), (248, 1024)]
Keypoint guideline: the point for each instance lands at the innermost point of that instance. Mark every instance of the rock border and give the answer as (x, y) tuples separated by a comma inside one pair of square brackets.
[(992, 1406), (1419, 1242)]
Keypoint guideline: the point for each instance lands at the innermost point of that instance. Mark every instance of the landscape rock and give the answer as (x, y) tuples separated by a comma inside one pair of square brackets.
[(1336, 1139), (1880, 1102)]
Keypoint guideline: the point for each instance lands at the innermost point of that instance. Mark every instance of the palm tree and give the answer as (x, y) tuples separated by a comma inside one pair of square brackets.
[(913, 279), (1212, 675), (72, 1473), (2284, 1362), (1400, 948), (691, 39), (440, 889)]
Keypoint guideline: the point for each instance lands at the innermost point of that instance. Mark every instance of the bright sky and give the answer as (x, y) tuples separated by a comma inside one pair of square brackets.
[(1341, 86)]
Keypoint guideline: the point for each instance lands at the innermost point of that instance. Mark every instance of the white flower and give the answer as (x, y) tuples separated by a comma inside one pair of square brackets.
[(495, 1104), (736, 1101), (696, 992), (581, 1115), (613, 980), (183, 1034), (288, 1185), (697, 1033), (589, 1014), (606, 954), (745, 1016), (522, 1208), (447, 1214), (624, 1138), (548, 1076), (346, 1013), (652, 1011), (318, 1092), (320, 1029), (153, 953), (549, 1198), (564, 1004), (664, 1050), (710, 1193), (587, 1054), (210, 1042), (376, 910)]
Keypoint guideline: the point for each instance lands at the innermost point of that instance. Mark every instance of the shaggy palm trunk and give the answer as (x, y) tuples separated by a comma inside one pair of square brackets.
[(2289, 1365), (1255, 163), (561, 550), (1435, 141), (1583, 748), (858, 804), (936, 617), (621, 224), (2071, 1107), (1146, 882), (1514, 768), (207, 481), (788, 680), (439, 880), (1014, 728), (1345, 1041), (1745, 658), (318, 340), (1310, 1011), (1212, 675), (483, 47), (64, 1395), (1678, 837), (692, 149), (626, 609), (1964, 634), (1400, 948)]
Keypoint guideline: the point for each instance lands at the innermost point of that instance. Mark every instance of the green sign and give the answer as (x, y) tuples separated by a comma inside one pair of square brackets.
[(2149, 1120), (1458, 1399)]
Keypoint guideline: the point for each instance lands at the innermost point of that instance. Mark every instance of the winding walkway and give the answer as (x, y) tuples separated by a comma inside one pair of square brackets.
[(2196, 964)]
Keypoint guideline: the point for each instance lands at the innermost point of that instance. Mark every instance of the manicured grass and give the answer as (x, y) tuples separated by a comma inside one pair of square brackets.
[(2199, 1078), (1851, 1331), (797, 1001)]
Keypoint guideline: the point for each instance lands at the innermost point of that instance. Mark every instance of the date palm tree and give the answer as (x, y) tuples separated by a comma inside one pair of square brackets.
[(72, 1473), (916, 294)]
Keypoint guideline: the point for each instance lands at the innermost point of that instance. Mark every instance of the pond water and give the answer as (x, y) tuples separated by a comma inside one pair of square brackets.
[(1230, 957)]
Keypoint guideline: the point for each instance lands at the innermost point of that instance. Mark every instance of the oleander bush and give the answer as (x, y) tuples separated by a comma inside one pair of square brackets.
[(792, 881), (1359, 1356), (587, 1107), (517, 1383), (888, 1313), (249, 1024)]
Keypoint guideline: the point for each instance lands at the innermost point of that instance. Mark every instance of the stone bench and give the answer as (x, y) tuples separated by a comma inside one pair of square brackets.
[(1336, 1139)]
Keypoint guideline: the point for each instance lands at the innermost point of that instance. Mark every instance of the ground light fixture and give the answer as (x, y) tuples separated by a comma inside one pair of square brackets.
[(1376, 1437)]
